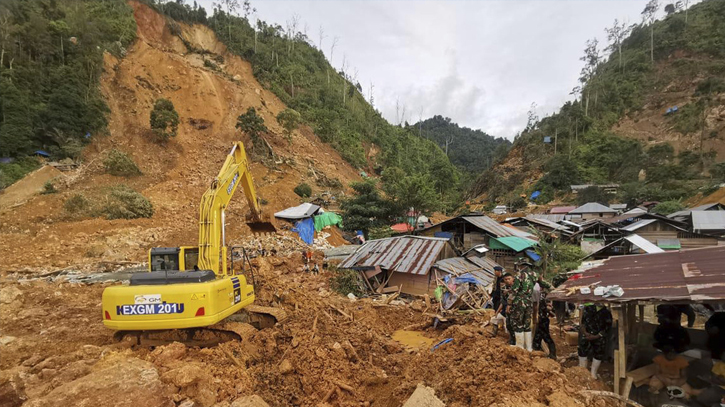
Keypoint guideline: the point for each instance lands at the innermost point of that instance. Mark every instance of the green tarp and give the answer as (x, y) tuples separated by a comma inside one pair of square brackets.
[(326, 219), (514, 243)]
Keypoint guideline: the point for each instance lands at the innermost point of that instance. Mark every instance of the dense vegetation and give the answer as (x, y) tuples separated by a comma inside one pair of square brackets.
[(655, 56), (286, 61), (51, 58), (469, 150)]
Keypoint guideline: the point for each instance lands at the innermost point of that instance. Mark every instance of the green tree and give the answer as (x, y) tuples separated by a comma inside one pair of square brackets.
[(592, 194), (253, 125), (668, 207), (290, 120), (16, 131), (164, 120), (367, 209)]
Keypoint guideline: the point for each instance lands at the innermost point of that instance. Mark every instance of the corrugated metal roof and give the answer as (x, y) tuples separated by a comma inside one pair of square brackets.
[(403, 254), (680, 276), (643, 244), (618, 207), (553, 217), (495, 228), (634, 212), (703, 221), (707, 207), (480, 267), (547, 223), (298, 212), (638, 224), (593, 207), (561, 209)]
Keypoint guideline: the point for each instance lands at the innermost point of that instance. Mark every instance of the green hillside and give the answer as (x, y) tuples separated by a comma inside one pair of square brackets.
[(469, 150), (680, 57)]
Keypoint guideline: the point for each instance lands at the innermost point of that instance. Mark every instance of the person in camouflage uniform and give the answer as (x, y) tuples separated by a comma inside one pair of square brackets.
[(521, 304), (595, 325)]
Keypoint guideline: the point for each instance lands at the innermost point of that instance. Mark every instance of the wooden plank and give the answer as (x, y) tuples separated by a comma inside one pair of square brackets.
[(392, 289), (643, 373), (616, 371), (627, 388), (622, 332)]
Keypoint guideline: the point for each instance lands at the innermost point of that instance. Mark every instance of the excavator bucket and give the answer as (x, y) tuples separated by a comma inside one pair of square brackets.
[(261, 225)]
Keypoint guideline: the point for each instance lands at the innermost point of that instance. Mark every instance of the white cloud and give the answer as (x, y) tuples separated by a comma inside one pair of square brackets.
[(481, 63)]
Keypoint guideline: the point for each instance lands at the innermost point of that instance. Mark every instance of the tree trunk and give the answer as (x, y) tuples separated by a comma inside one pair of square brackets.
[(586, 105), (652, 43), (62, 51), (292, 83), (2, 56)]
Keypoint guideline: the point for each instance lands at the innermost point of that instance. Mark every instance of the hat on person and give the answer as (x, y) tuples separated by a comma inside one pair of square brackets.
[(498, 268)]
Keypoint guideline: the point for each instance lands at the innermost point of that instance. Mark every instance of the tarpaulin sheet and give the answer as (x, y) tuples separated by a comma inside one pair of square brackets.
[(326, 219), (306, 229)]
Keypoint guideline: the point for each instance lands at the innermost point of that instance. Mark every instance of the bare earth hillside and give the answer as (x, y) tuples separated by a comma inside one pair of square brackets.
[(39, 234)]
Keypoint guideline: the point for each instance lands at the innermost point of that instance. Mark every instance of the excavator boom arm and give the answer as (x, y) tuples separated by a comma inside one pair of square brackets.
[(212, 245)]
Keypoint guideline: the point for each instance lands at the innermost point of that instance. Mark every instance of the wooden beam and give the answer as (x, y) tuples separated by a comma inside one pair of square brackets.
[(616, 371)]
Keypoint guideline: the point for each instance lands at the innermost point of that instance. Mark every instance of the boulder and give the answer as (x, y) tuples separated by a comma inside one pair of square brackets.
[(249, 401), (423, 396), (194, 382), (129, 382)]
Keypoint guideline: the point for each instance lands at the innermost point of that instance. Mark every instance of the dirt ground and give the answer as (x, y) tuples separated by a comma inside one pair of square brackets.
[(57, 352)]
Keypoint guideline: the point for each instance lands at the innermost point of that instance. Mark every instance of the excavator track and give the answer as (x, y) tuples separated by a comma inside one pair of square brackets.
[(237, 327)]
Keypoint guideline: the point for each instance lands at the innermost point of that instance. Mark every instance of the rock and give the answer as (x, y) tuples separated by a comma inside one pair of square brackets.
[(352, 297), (4, 340), (12, 392), (423, 396), (336, 346), (194, 382), (547, 365), (32, 361), (249, 401), (560, 399), (129, 382), (92, 351), (186, 403), (166, 355), (9, 294), (285, 367)]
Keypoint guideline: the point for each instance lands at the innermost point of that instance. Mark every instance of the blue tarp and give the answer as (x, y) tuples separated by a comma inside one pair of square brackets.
[(306, 229), (445, 235), (533, 256), (547, 139), (41, 153), (535, 194)]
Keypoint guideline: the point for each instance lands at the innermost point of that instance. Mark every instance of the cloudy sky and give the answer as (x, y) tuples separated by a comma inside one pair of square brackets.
[(481, 63)]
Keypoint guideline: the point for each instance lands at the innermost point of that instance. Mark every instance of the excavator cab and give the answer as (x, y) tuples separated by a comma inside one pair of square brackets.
[(185, 258)]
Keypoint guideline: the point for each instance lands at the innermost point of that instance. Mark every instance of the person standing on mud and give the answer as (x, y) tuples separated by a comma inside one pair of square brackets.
[(542, 327), (595, 325), (521, 306)]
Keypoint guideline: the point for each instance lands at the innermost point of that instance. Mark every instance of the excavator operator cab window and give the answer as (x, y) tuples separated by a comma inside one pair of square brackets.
[(164, 258), (191, 258)]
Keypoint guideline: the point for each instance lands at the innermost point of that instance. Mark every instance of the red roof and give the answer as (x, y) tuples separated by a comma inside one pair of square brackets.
[(562, 209), (402, 227)]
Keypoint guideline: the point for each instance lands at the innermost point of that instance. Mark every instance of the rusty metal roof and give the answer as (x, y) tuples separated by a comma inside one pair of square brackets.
[(480, 267), (683, 276), (495, 228), (402, 254)]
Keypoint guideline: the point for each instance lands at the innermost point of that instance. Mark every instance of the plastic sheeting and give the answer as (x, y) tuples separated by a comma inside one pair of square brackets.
[(326, 219), (306, 229)]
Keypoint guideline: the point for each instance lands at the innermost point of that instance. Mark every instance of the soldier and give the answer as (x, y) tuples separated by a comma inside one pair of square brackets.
[(503, 308), (595, 325), (520, 304), (542, 327)]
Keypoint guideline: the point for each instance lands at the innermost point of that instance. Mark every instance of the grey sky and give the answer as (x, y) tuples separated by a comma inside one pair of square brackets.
[(481, 63)]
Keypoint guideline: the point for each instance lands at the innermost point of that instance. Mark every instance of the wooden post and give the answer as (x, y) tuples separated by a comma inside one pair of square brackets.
[(631, 324), (620, 356), (641, 313)]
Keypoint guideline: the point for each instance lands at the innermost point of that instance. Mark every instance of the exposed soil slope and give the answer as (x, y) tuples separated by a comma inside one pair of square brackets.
[(39, 234)]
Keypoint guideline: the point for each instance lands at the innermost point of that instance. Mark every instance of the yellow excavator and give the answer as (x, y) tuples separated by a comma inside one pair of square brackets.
[(192, 294)]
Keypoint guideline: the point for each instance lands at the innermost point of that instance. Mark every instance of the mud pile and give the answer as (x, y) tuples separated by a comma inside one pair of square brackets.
[(330, 351)]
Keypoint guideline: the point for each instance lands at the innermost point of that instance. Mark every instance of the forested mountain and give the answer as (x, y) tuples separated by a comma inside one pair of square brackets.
[(469, 150), (649, 115)]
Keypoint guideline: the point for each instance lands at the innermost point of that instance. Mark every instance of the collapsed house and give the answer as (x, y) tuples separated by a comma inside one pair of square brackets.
[(400, 264), (417, 265)]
